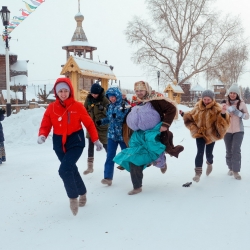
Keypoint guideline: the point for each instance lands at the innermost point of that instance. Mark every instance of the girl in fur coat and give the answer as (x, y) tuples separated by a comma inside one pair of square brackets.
[(235, 133), (207, 122)]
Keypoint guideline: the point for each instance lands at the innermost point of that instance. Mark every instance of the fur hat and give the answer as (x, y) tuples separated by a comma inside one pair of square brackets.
[(235, 89), (62, 85), (208, 93), (96, 89)]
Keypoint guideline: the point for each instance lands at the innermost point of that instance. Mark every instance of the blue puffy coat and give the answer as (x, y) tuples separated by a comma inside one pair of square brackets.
[(115, 115)]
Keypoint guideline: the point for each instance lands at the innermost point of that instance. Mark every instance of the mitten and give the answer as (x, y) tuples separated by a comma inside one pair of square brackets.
[(41, 139), (98, 123), (238, 113), (123, 107), (231, 109), (114, 115), (98, 145)]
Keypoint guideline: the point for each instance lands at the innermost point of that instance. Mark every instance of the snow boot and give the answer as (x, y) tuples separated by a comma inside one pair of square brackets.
[(209, 168), (164, 169), (90, 169), (106, 182), (74, 205), (230, 172), (82, 200), (198, 172), (120, 168), (135, 191), (237, 176)]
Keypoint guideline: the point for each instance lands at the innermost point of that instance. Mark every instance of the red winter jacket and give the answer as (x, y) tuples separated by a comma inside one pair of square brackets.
[(66, 117)]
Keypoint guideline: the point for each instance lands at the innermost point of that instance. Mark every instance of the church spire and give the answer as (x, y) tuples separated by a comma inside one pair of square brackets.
[(79, 44)]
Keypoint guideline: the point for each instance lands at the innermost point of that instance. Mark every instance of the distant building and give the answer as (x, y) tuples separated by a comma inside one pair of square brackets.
[(195, 92), (18, 76), (185, 97), (219, 90), (174, 91)]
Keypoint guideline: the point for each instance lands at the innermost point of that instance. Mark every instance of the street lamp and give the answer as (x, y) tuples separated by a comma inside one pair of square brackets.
[(5, 15), (158, 75)]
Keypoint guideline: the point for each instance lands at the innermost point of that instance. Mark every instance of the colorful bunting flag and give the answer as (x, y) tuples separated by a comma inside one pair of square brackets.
[(30, 8)]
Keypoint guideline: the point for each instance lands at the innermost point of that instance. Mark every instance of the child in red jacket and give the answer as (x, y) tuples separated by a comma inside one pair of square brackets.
[(66, 116)]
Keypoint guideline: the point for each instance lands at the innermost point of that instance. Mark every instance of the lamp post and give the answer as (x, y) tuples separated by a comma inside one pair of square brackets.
[(158, 75), (5, 15)]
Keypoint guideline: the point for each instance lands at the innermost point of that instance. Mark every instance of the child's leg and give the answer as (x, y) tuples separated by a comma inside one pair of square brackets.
[(109, 164)]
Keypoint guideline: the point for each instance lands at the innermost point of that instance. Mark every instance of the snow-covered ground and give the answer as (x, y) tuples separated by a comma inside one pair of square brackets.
[(213, 214)]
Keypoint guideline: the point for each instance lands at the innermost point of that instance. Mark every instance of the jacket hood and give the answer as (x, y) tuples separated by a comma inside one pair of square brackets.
[(114, 91), (68, 82)]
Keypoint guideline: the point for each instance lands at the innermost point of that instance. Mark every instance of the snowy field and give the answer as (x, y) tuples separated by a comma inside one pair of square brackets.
[(213, 214)]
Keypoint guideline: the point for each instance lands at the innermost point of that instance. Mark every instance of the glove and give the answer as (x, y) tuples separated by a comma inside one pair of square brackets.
[(2, 111), (231, 109), (238, 113), (123, 107), (41, 139), (114, 115), (98, 123), (98, 145), (100, 107)]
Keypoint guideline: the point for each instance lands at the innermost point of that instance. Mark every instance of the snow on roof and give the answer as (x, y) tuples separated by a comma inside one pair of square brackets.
[(20, 79), (218, 83), (20, 65), (197, 87), (96, 67), (2, 49), (79, 43), (12, 94), (176, 88), (79, 14)]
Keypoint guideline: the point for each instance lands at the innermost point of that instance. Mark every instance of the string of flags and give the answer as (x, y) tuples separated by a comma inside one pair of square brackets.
[(30, 8)]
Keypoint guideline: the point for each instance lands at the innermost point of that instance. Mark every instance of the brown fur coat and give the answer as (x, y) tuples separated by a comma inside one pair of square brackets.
[(207, 121)]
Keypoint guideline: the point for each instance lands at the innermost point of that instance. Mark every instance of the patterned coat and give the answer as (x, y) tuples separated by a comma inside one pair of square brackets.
[(207, 122), (115, 116)]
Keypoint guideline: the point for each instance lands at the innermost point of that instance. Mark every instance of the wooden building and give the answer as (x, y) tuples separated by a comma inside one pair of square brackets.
[(80, 67), (174, 91), (186, 96), (18, 76), (83, 72), (219, 90)]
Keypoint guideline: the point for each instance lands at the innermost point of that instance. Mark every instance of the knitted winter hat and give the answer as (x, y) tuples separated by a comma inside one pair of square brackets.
[(62, 85), (96, 89), (208, 93), (235, 89)]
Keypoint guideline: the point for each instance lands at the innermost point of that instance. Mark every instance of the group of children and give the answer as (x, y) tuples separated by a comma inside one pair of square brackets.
[(142, 132)]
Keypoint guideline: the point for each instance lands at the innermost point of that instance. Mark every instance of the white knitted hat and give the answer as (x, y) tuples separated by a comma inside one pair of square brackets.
[(235, 89), (62, 85)]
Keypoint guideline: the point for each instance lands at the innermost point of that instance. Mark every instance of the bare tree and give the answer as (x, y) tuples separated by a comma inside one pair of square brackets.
[(43, 95), (181, 38), (230, 65)]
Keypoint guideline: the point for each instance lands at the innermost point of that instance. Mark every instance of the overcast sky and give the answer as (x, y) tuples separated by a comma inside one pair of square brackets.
[(51, 26)]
